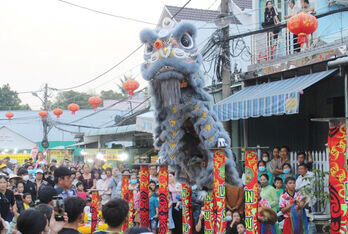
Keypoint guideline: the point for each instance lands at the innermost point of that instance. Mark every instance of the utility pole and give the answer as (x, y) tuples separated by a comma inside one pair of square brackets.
[(44, 142), (226, 64)]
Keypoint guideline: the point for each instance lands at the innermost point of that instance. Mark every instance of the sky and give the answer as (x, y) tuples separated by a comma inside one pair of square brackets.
[(48, 41)]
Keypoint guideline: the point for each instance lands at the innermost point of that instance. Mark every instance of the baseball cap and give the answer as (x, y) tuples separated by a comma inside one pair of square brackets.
[(61, 172), (46, 194), (39, 171), (3, 165)]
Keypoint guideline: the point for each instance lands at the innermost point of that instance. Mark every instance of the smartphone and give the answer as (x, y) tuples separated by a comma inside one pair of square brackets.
[(58, 205)]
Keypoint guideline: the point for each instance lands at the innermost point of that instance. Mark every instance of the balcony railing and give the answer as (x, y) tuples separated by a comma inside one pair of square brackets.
[(269, 46)]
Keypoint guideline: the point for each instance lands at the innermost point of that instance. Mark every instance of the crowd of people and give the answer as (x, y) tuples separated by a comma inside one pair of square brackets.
[(27, 192)]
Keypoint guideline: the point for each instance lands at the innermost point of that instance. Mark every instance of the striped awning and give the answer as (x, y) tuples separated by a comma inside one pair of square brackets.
[(273, 98)]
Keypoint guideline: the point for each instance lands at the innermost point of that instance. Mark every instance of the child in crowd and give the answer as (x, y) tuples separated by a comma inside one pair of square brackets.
[(286, 202), (87, 208), (27, 201), (153, 211), (278, 184), (152, 185), (19, 196), (241, 228), (80, 190)]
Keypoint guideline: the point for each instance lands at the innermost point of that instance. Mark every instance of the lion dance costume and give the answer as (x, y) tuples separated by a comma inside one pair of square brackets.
[(187, 131)]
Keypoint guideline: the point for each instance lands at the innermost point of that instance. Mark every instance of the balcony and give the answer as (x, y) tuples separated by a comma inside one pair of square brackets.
[(276, 52)]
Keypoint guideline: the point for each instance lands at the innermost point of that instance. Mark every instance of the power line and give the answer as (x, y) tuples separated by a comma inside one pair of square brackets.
[(181, 9), (102, 74), (113, 67), (105, 13)]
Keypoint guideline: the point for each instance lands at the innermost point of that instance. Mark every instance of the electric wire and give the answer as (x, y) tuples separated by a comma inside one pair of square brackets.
[(105, 13)]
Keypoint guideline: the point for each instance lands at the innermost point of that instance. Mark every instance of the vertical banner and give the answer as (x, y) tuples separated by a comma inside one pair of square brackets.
[(219, 191), (144, 196), (125, 195), (163, 199), (337, 144), (187, 219), (209, 213), (94, 210), (131, 209), (250, 192)]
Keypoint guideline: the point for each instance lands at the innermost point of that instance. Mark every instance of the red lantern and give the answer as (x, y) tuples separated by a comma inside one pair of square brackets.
[(73, 107), (58, 112), (302, 25), (130, 85), (43, 114), (9, 115), (95, 101)]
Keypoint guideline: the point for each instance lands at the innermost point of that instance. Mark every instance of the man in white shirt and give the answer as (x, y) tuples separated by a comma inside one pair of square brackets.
[(304, 183)]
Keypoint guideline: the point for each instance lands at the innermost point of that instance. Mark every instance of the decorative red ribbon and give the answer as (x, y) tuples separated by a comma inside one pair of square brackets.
[(251, 197), (219, 191), (94, 210), (302, 39), (187, 220), (125, 195), (131, 209), (144, 196), (163, 199), (338, 185)]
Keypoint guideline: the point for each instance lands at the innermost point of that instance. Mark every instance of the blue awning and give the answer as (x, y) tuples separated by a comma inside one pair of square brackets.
[(273, 98)]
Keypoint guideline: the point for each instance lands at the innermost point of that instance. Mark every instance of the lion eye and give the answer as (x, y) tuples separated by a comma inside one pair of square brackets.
[(186, 41), (148, 48)]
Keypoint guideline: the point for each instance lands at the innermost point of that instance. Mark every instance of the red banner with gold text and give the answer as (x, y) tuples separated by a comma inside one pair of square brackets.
[(125, 195), (163, 200), (187, 220), (250, 192), (94, 210), (219, 191), (144, 196)]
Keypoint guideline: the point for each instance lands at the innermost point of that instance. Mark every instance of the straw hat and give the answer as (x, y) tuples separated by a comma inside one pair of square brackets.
[(270, 215)]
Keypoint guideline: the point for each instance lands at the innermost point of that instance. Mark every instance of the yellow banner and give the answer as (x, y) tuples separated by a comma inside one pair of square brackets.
[(18, 157), (60, 154), (103, 154)]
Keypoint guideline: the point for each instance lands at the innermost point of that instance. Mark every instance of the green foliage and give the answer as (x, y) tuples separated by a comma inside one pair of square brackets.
[(63, 99), (319, 181), (110, 94), (9, 99)]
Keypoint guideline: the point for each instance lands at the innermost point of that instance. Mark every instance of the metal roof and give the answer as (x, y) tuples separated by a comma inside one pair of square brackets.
[(29, 124), (244, 4), (195, 14)]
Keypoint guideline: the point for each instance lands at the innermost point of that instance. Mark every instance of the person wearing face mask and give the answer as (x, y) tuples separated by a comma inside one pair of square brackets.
[(104, 189), (268, 192), (263, 171), (29, 187), (265, 157), (228, 219), (286, 173)]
